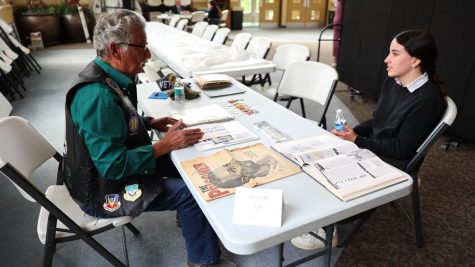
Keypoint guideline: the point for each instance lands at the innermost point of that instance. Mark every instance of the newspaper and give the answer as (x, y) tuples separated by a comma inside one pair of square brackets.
[(206, 114), (219, 174), (222, 134)]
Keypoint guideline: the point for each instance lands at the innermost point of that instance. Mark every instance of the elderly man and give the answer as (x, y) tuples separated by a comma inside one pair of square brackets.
[(111, 167)]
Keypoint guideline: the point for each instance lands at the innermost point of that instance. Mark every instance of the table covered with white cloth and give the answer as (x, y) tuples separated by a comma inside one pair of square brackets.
[(190, 55)]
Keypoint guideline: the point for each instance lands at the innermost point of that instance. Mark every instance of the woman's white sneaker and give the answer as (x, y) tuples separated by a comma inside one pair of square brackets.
[(308, 241)]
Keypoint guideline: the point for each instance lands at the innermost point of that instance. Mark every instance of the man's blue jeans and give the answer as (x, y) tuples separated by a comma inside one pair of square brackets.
[(201, 240)]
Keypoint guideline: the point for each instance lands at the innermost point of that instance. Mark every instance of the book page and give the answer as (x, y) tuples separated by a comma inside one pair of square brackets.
[(206, 114), (345, 173), (308, 150), (223, 134)]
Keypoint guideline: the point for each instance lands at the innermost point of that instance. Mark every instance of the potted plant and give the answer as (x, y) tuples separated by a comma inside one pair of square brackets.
[(37, 17), (71, 23)]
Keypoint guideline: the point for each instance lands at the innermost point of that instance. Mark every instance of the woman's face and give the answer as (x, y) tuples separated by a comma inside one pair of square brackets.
[(399, 62)]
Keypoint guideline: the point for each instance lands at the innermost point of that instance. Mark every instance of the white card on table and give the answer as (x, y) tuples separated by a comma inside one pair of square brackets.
[(256, 206)]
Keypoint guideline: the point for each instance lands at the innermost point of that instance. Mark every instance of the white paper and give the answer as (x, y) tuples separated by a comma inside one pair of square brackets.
[(257, 206), (223, 134), (201, 115)]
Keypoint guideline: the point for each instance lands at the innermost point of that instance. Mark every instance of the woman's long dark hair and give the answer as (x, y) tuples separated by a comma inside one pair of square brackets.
[(420, 44), (215, 5)]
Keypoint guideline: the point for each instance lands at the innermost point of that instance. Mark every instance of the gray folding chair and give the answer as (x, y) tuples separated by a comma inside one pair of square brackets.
[(414, 164), (412, 169)]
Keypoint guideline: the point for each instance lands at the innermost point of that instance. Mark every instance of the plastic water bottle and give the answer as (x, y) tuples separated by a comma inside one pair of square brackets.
[(340, 121), (179, 91)]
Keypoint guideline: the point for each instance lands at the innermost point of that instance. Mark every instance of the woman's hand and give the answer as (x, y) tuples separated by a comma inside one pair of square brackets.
[(349, 134)]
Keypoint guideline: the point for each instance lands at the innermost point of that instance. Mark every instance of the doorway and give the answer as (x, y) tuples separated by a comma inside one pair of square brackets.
[(306, 13), (250, 10)]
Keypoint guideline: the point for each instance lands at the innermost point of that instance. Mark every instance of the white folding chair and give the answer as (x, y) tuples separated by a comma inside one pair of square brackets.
[(168, 3), (311, 80), (173, 21), (154, 3), (10, 80), (28, 62), (241, 40), (5, 106), (224, 17), (209, 32), (197, 16), (284, 55), (199, 28), (258, 48), (221, 35), (181, 24), (60, 219)]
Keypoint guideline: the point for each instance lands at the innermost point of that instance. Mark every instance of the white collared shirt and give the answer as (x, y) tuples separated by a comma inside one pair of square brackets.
[(416, 84)]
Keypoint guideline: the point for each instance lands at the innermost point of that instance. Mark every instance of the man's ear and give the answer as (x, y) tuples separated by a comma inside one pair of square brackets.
[(115, 51)]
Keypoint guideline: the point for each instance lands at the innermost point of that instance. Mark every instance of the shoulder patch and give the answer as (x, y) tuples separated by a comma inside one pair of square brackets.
[(114, 86)]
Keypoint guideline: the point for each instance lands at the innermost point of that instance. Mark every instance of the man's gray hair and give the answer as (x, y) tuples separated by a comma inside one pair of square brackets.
[(115, 27)]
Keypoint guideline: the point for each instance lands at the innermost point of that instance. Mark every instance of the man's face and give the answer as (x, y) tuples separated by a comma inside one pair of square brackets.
[(135, 54), (230, 171)]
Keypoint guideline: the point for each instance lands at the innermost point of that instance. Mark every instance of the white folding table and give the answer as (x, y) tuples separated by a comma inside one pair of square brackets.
[(307, 204)]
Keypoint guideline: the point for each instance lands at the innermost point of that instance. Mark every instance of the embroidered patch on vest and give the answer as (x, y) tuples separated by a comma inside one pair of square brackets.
[(112, 202), (132, 192), (134, 123), (114, 86)]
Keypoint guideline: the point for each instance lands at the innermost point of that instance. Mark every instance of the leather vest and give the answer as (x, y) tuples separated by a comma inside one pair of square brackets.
[(96, 195)]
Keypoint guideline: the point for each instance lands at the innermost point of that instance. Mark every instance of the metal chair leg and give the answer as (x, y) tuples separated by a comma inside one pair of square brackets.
[(50, 242), (303, 108), (329, 240), (132, 228), (417, 215), (126, 255)]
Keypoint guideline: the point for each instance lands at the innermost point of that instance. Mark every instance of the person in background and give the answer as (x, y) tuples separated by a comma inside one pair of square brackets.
[(111, 168), (214, 13), (410, 106), (337, 30), (178, 8)]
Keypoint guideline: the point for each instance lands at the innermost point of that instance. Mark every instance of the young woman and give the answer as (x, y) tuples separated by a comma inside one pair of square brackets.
[(214, 13), (411, 104)]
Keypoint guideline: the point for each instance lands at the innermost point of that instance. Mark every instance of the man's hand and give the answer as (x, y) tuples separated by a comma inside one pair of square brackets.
[(175, 138), (161, 124), (349, 134)]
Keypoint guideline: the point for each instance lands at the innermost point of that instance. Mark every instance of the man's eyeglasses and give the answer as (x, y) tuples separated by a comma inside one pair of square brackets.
[(144, 46)]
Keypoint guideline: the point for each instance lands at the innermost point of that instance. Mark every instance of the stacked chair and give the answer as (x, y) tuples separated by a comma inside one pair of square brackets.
[(16, 62)]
